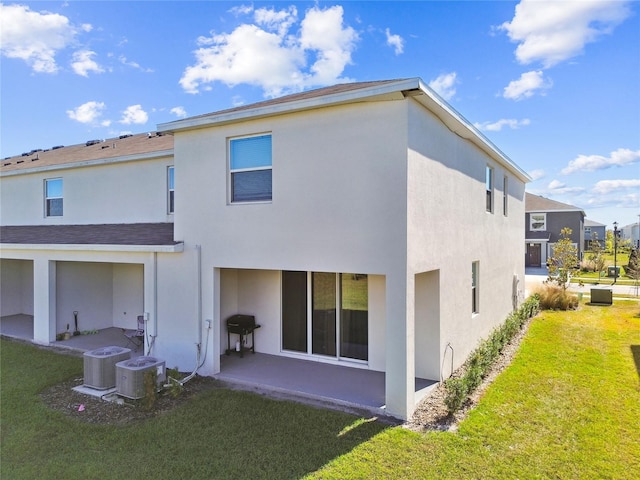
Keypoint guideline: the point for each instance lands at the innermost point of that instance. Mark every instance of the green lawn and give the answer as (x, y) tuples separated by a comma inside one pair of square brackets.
[(568, 408)]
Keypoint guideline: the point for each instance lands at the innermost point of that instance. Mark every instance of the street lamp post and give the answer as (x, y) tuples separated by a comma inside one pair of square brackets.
[(615, 252)]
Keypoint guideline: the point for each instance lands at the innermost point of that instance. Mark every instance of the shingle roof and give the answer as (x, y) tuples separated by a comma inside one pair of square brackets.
[(591, 223), (101, 150), (105, 234), (535, 203), (318, 92)]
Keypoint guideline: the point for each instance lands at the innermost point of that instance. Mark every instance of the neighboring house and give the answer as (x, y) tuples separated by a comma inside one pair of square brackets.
[(544, 220), (631, 232), (326, 214), (594, 231)]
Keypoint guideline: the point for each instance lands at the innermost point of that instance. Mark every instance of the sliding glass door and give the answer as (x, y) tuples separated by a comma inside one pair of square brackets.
[(325, 314)]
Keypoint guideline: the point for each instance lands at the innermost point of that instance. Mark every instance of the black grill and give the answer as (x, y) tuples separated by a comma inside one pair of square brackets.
[(241, 325)]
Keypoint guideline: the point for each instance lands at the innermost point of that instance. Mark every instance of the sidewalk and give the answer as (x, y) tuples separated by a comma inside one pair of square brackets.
[(535, 276)]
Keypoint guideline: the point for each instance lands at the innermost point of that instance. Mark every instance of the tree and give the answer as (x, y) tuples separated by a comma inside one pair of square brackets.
[(596, 257), (564, 261), (633, 268)]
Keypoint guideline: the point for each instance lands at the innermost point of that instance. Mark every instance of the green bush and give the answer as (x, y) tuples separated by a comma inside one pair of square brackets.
[(482, 358)]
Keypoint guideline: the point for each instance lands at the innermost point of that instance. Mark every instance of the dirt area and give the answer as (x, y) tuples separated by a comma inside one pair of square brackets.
[(430, 415)]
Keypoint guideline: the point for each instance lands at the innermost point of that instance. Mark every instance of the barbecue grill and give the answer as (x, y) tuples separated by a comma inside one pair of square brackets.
[(241, 325)]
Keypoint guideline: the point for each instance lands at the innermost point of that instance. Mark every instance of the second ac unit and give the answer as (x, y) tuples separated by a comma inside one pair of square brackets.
[(130, 375)]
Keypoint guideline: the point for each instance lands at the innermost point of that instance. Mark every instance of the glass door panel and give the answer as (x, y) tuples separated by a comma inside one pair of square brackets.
[(354, 316), (323, 321), (294, 311)]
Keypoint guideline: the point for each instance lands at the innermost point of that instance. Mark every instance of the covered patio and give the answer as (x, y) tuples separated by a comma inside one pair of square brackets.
[(21, 327), (352, 389)]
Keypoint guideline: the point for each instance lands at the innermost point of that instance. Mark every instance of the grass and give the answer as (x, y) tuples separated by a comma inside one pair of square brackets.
[(219, 434), (568, 407)]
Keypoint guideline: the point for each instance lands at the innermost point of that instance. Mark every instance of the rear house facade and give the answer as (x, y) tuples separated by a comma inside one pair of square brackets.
[(326, 214)]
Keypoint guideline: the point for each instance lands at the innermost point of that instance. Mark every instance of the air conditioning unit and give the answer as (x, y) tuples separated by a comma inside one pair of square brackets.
[(130, 375), (100, 366)]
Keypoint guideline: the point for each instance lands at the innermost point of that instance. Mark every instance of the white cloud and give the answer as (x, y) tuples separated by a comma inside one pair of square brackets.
[(608, 186), (276, 21), (445, 85), (590, 163), (553, 31), (83, 63), (136, 65), (134, 114), (537, 174), (526, 86), (512, 123), (395, 41), (88, 113), (179, 112), (245, 54), (559, 188), (35, 37)]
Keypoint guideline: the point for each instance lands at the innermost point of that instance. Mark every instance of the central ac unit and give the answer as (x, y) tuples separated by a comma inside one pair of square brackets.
[(100, 366), (130, 375)]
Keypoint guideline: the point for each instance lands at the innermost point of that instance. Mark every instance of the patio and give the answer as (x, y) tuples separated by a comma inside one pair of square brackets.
[(328, 385), (21, 327)]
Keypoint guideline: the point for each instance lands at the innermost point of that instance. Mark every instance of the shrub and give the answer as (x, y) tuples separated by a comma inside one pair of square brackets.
[(554, 297), (482, 358)]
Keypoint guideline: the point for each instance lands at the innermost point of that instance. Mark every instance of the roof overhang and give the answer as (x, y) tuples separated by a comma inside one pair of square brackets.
[(177, 248), (413, 88)]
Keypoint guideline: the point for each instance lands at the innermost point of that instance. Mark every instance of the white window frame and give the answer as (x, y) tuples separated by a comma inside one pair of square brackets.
[(171, 190), (233, 171), (475, 288), (505, 196), (48, 198), (489, 188), (542, 228)]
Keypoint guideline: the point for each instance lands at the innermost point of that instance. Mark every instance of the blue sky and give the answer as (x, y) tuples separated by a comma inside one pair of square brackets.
[(555, 85)]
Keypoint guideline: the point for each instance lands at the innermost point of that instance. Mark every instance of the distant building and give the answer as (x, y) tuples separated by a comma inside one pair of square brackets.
[(544, 220), (594, 231), (631, 232)]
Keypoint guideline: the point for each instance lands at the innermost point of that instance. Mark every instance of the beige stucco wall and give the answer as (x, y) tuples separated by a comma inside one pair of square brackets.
[(449, 229), (122, 192), (381, 188)]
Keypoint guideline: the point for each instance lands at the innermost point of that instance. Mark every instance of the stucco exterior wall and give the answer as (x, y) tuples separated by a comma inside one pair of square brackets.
[(124, 192), (16, 281), (446, 188)]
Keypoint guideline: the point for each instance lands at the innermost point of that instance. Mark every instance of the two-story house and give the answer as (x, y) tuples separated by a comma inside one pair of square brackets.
[(594, 232), (544, 220), (325, 214)]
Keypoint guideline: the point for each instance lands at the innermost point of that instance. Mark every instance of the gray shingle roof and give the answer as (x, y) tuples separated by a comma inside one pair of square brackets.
[(132, 145), (535, 203), (105, 234)]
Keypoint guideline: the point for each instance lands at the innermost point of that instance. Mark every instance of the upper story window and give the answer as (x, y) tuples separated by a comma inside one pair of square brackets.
[(537, 222), (170, 190), (53, 197), (250, 167), (505, 196), (489, 188)]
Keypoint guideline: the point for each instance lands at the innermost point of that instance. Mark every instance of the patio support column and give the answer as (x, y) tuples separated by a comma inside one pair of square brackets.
[(44, 301), (400, 346), (211, 311), (150, 301)]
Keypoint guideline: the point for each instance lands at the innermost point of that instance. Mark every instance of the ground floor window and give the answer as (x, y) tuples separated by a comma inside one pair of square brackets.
[(325, 314)]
